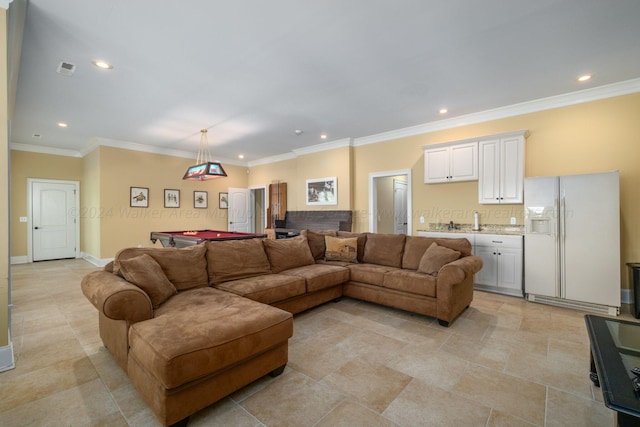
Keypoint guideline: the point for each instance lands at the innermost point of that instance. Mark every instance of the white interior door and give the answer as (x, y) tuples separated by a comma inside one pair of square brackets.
[(54, 227), (400, 206), (240, 214)]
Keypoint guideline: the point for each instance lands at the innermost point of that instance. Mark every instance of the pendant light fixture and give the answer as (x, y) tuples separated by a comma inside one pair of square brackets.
[(205, 168)]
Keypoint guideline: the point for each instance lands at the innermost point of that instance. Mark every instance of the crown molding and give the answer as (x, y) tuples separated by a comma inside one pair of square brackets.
[(4, 4), (18, 146), (345, 142), (558, 101), (272, 159)]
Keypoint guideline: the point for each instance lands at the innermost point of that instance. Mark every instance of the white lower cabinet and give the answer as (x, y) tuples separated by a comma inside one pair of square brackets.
[(502, 260), (502, 263)]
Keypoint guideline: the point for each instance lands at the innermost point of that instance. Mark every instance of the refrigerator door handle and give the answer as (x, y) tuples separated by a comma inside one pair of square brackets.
[(561, 238)]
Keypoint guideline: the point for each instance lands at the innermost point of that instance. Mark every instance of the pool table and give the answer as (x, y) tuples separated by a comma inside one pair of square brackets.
[(182, 239)]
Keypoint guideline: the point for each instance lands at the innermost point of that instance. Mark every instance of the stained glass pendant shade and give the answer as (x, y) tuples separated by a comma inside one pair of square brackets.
[(205, 168)]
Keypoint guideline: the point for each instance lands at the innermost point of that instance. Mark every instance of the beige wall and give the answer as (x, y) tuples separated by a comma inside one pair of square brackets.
[(591, 137), (4, 185), (26, 165), (122, 225), (90, 233), (295, 172)]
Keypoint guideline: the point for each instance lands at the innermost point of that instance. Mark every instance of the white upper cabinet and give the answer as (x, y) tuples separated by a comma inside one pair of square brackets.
[(501, 169), (451, 162)]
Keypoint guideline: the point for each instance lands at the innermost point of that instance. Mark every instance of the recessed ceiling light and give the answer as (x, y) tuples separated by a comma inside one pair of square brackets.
[(323, 136), (298, 132), (63, 125), (241, 156), (443, 111), (585, 77), (102, 64)]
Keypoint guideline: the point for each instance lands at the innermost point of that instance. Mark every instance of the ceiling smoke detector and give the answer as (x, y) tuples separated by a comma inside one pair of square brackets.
[(66, 68)]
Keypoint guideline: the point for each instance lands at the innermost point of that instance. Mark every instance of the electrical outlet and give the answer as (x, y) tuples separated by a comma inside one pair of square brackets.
[(23, 219), (513, 220), (421, 220)]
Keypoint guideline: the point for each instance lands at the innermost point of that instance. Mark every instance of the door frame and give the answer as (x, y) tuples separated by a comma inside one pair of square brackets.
[(30, 182), (373, 197), (252, 188)]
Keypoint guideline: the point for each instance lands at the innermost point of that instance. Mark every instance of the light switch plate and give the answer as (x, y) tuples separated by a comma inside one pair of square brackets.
[(513, 220), (23, 219), (421, 220)]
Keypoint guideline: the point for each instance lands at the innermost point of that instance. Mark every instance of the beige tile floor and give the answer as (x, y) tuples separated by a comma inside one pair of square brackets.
[(505, 362)]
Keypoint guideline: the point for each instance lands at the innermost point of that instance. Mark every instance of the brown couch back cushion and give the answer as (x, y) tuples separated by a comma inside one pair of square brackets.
[(316, 241), (186, 268), (236, 259), (415, 247), (144, 272), (362, 240), (384, 249), (288, 253)]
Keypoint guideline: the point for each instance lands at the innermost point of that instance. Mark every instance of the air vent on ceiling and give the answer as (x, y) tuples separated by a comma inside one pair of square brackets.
[(66, 68), (36, 136)]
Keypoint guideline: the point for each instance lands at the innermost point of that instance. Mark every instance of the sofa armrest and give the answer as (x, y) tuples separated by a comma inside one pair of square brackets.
[(454, 287), (457, 270), (116, 298)]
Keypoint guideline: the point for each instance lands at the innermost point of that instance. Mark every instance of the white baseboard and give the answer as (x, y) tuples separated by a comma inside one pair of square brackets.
[(98, 262), (626, 296), (19, 259), (7, 362)]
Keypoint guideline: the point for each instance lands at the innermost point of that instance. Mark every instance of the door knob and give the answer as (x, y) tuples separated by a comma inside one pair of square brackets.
[(36, 228)]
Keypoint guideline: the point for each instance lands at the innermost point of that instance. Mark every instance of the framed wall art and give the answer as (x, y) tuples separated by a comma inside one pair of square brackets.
[(171, 198), (138, 197), (200, 199), (223, 200), (322, 191)]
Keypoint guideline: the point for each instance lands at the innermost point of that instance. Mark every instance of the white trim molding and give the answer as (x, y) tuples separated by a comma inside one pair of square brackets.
[(19, 259), (98, 262), (4, 4)]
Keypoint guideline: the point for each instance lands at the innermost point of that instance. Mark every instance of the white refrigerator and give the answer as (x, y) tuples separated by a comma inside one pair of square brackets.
[(572, 241)]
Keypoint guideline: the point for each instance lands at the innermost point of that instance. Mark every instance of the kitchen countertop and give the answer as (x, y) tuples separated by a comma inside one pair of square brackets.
[(512, 230)]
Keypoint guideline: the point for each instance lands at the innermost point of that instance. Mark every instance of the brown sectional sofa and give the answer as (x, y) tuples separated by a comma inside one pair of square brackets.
[(202, 322)]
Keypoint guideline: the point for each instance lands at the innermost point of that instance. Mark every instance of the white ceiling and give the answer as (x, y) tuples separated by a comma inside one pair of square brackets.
[(254, 71)]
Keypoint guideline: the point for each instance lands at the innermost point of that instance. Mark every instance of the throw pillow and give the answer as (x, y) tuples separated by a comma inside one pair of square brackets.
[(341, 249), (288, 253), (435, 257), (144, 272)]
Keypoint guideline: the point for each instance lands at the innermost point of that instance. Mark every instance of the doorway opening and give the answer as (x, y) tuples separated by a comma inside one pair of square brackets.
[(390, 202)]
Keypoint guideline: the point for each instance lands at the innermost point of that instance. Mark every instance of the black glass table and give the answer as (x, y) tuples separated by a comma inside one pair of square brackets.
[(615, 351)]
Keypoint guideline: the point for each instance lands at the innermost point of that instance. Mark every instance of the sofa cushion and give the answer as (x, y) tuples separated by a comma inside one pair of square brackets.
[(315, 239), (384, 249), (320, 276), (236, 259), (144, 272), (288, 253), (203, 331), (415, 246), (186, 268), (362, 240), (368, 273), (435, 257), (266, 289), (341, 249), (410, 281)]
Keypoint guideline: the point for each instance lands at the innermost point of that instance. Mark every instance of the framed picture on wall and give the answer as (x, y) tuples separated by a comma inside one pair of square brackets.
[(223, 200), (322, 191), (200, 199), (138, 197), (171, 198)]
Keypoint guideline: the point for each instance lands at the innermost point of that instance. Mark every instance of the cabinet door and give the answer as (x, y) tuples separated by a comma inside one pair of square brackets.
[(510, 268), (488, 274), (489, 174), (464, 162), (511, 170), (436, 165)]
